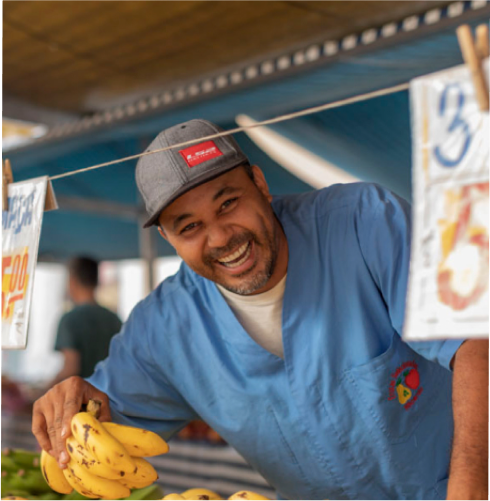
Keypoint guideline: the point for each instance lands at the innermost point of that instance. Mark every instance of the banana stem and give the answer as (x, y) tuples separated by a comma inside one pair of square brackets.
[(93, 407)]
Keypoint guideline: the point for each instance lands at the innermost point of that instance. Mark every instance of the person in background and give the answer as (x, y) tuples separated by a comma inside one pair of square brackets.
[(85, 332)]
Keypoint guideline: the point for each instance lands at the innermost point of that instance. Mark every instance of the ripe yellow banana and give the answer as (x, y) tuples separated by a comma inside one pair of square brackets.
[(83, 457), (134, 485), (90, 433), (247, 495), (70, 478), (173, 496), (144, 473), (53, 474), (137, 441), (100, 487), (200, 494)]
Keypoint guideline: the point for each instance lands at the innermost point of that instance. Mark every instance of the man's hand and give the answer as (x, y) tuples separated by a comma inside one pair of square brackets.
[(468, 474), (52, 413)]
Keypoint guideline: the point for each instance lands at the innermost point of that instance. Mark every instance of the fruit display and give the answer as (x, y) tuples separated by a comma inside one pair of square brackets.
[(207, 494), (247, 495), (28, 476), (106, 459), (22, 477)]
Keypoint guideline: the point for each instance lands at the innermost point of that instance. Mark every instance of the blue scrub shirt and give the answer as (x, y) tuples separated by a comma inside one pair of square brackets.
[(352, 412)]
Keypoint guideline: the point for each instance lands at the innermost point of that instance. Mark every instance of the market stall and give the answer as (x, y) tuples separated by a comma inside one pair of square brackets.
[(189, 464), (361, 78)]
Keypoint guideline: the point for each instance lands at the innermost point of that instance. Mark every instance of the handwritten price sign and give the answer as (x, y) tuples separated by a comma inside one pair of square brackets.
[(20, 240), (448, 285), (14, 281)]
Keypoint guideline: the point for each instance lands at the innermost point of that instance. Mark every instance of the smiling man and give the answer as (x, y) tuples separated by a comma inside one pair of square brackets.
[(225, 230), (282, 330)]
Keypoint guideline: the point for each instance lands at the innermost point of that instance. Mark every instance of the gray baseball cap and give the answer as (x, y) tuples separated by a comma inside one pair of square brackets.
[(163, 177)]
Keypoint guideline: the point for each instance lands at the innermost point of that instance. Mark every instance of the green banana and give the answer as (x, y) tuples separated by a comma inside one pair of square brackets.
[(8, 464), (19, 494), (6, 490), (30, 480), (49, 496), (151, 492), (23, 458), (14, 498)]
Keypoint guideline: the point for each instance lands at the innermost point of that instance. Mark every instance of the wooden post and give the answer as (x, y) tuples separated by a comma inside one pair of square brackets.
[(482, 43)]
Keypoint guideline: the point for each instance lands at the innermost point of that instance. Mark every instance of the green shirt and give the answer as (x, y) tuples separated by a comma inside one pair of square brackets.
[(88, 329)]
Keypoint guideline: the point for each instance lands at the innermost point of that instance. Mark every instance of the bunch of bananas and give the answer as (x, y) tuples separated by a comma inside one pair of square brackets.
[(21, 477), (106, 459), (207, 494)]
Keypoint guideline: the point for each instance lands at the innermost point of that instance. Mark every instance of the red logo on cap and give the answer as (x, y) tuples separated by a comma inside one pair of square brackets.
[(199, 153)]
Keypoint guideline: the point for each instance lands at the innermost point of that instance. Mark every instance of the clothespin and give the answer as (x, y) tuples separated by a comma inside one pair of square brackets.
[(50, 202), (482, 42), (472, 57), (7, 178)]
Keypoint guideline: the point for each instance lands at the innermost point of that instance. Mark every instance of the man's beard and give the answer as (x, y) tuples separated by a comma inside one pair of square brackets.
[(256, 280)]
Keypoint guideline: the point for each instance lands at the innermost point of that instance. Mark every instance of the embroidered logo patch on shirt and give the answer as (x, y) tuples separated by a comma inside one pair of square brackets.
[(200, 153), (405, 384)]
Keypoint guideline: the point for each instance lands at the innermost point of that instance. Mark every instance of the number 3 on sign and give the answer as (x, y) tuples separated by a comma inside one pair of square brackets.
[(14, 281), (457, 125)]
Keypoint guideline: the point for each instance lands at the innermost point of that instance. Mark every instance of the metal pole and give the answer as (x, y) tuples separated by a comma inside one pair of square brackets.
[(148, 254)]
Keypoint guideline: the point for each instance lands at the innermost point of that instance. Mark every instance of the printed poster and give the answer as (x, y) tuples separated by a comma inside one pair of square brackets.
[(21, 226), (448, 283)]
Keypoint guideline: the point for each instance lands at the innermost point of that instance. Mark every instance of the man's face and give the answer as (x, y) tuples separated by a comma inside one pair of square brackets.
[(226, 231)]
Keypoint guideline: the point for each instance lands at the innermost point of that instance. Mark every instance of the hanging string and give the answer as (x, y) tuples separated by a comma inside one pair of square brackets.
[(282, 118)]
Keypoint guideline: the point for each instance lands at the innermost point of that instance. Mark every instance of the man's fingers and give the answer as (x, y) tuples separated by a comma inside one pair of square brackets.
[(59, 426), (105, 412), (52, 414), (51, 428), (71, 407), (39, 428)]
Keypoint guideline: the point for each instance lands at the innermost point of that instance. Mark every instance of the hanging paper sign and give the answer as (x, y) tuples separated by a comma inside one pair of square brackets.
[(21, 226), (448, 283)]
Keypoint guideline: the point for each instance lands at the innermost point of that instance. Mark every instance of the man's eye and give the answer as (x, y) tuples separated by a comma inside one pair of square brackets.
[(228, 203), (189, 227)]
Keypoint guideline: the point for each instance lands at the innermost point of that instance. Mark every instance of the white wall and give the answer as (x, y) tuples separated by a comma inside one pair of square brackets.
[(131, 280), (122, 287)]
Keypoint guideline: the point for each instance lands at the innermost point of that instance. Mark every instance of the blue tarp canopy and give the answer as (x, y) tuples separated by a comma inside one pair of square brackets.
[(370, 140)]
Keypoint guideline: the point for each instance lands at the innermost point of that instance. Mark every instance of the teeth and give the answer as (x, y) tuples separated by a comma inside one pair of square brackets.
[(235, 255), (238, 263)]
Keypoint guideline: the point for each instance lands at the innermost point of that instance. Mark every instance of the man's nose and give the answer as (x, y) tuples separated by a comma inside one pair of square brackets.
[(218, 235)]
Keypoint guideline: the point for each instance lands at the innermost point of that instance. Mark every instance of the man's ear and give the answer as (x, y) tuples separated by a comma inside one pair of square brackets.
[(162, 233), (260, 182)]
